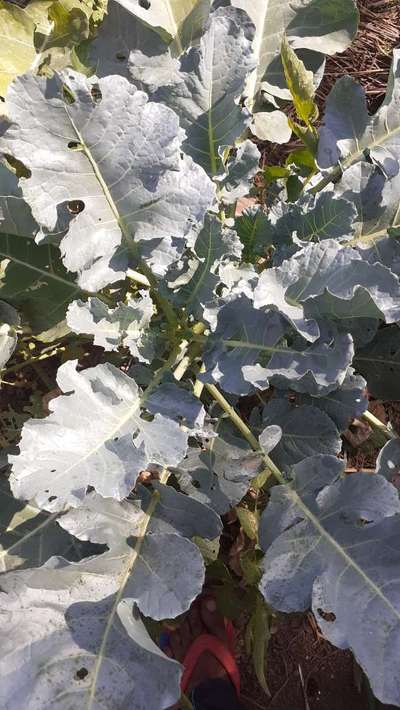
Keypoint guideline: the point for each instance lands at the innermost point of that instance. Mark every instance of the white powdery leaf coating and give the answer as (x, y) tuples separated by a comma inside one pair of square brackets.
[(126, 325), (210, 83), (119, 172), (326, 280), (334, 544), (93, 437), (66, 644)]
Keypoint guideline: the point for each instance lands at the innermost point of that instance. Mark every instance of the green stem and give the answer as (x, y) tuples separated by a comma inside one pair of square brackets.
[(376, 423), (335, 173), (44, 355), (138, 278)]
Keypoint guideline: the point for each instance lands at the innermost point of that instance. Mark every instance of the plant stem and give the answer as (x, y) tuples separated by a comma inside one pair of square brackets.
[(376, 423), (138, 278), (51, 351)]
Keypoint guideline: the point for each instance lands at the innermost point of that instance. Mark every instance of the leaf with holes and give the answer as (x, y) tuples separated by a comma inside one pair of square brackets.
[(177, 22), (124, 326), (114, 184), (94, 436), (330, 542)]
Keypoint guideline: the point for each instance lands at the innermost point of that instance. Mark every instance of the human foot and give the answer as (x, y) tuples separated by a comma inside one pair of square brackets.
[(202, 618)]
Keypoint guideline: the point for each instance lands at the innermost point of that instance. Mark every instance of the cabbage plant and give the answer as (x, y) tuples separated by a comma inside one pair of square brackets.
[(126, 147)]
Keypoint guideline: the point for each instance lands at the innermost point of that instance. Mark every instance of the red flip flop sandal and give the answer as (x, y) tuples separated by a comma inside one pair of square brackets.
[(208, 643)]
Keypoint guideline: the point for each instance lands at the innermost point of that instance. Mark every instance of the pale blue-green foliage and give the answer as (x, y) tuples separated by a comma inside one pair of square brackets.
[(330, 544), (137, 171)]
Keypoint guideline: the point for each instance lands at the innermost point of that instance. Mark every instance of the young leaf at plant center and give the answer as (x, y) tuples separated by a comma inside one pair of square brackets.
[(240, 171), (300, 83), (105, 190), (251, 226), (194, 281), (248, 521)]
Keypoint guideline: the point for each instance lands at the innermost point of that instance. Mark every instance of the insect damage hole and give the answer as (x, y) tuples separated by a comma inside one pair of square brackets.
[(81, 673), (120, 57), (96, 93), (327, 615), (75, 145), (76, 206)]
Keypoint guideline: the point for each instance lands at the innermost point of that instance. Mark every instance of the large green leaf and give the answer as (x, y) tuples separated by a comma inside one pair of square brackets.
[(327, 281), (29, 537), (17, 48), (332, 542), (33, 278), (209, 85), (179, 21), (121, 175), (376, 199), (89, 609), (35, 281), (379, 363), (78, 643), (125, 46), (305, 431), (94, 436)]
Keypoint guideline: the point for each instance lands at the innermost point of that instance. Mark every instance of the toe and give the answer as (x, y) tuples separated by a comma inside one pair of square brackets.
[(196, 625), (212, 620)]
